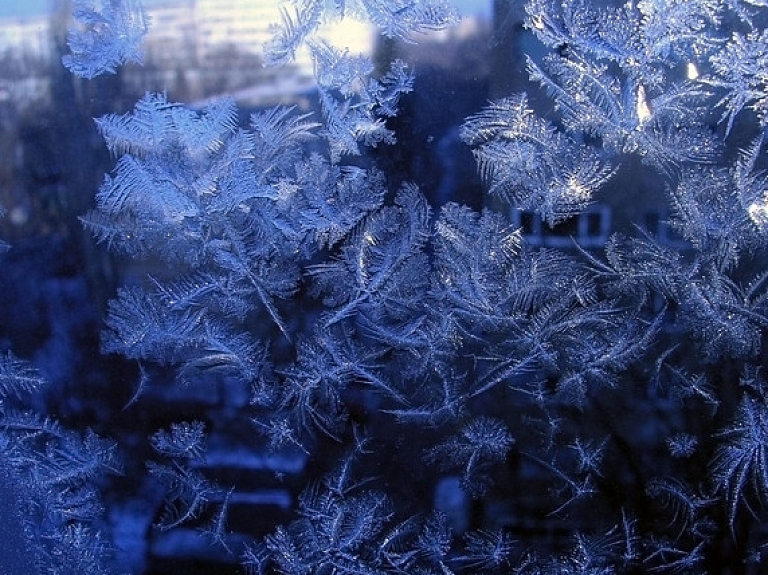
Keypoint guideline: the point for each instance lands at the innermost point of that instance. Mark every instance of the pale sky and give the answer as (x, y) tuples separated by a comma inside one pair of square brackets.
[(34, 7), (23, 8)]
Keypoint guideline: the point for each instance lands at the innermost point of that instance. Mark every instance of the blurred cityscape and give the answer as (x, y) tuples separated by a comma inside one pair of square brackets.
[(194, 49)]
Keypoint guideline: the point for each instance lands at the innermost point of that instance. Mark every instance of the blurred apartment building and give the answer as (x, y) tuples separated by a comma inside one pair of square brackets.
[(25, 54), (199, 29), (203, 48), (193, 50), (26, 36)]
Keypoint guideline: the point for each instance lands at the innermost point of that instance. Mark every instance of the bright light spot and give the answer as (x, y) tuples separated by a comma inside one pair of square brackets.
[(369, 238), (577, 189), (758, 213), (642, 108), (19, 216)]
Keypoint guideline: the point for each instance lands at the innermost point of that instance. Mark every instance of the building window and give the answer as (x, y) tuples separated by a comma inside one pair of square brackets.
[(590, 228), (529, 223)]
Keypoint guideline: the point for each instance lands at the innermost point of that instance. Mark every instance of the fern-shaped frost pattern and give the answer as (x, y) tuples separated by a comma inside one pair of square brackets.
[(739, 71), (50, 476), (106, 37), (358, 114), (478, 445), (740, 467), (383, 266), (530, 165), (395, 19)]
